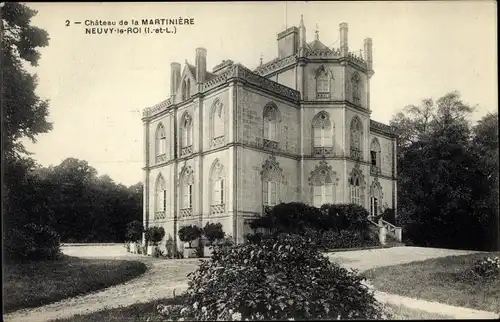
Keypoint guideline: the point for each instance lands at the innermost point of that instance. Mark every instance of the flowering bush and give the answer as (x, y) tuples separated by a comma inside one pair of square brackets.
[(487, 267), (281, 278)]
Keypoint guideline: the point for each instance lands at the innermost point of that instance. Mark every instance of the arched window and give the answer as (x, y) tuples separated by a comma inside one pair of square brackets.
[(271, 182), (323, 181), (376, 197), (184, 90), (160, 198), (356, 134), (323, 82), (356, 92), (322, 129), (160, 144), (188, 89), (271, 119), (186, 185), (217, 130), (186, 134), (375, 156), (356, 186), (217, 194)]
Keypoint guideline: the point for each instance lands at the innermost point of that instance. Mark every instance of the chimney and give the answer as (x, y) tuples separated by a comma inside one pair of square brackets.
[(344, 48), (368, 54), (175, 77), (201, 64)]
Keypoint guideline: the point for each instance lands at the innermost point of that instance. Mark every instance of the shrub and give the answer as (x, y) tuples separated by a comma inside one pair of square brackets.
[(155, 234), (487, 267), (190, 233), (32, 242), (279, 278), (213, 232), (344, 217), (134, 231), (331, 239)]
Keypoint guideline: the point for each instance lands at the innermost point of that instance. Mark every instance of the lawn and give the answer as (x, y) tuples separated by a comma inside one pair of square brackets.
[(38, 283), (440, 280)]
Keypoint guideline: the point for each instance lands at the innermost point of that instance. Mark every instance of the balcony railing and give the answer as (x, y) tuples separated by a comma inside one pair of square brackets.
[(217, 209), (269, 144), (161, 158), (187, 150), (355, 153), (323, 151), (160, 215), (322, 96), (375, 170), (186, 212), (218, 141)]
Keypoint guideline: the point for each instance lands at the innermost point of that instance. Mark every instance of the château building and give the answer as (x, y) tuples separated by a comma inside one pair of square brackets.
[(230, 142)]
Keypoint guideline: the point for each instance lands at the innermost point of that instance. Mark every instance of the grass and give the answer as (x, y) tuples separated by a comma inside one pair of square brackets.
[(33, 284), (440, 280), (137, 312)]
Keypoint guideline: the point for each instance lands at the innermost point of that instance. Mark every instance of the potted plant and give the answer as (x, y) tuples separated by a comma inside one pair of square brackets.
[(133, 235), (213, 233), (154, 235), (188, 234)]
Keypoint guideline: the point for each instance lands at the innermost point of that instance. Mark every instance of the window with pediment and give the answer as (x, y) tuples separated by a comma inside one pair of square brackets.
[(217, 124), (186, 89), (271, 117), (186, 181), (271, 182), (324, 79), (376, 197), (356, 137), (186, 136), (323, 134), (375, 157), (160, 144), (356, 186), (323, 182), (218, 188), (160, 198)]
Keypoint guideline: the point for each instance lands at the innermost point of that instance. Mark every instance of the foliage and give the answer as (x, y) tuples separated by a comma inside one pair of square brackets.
[(340, 217), (134, 231), (190, 233), (32, 242), (446, 175), (487, 267), (213, 232), (154, 234), (333, 239), (280, 278), (388, 215)]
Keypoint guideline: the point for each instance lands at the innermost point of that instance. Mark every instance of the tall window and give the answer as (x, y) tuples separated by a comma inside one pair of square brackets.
[(323, 185), (218, 188), (160, 143), (356, 93), (323, 78), (271, 120), (218, 197), (356, 186), (217, 131), (271, 182), (376, 197), (161, 198), (322, 129), (356, 135), (270, 193), (375, 155), (187, 134), (187, 195), (186, 89)]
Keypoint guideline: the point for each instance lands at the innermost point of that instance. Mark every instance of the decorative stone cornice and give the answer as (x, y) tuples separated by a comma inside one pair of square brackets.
[(275, 65), (158, 108), (382, 129)]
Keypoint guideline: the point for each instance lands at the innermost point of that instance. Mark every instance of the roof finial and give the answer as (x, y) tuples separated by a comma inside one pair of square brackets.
[(260, 59), (317, 33), (302, 20)]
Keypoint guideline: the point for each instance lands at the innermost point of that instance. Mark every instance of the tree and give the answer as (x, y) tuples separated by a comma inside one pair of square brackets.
[(213, 232), (190, 233)]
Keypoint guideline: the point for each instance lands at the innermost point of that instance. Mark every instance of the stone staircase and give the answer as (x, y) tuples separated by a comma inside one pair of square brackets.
[(388, 234)]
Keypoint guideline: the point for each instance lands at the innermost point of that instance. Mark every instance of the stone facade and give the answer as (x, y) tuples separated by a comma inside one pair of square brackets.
[(228, 143)]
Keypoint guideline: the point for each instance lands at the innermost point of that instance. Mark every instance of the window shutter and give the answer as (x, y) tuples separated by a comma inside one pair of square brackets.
[(317, 137), (328, 193), (266, 128), (265, 196), (190, 196), (273, 196), (317, 198), (222, 191)]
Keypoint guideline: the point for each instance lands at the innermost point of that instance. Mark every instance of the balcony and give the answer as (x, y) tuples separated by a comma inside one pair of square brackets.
[(355, 154), (217, 209), (323, 151), (161, 158), (160, 215), (375, 170), (218, 141), (269, 144), (186, 150), (186, 212)]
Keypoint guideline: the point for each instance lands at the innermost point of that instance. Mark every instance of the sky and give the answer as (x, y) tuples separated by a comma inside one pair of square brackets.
[(98, 84)]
